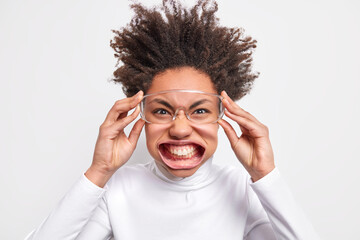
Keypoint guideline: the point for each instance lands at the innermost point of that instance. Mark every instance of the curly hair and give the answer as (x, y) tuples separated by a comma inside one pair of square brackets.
[(171, 36)]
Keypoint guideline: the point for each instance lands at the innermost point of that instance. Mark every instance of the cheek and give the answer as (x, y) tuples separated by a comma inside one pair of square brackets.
[(152, 133), (209, 134), (152, 130)]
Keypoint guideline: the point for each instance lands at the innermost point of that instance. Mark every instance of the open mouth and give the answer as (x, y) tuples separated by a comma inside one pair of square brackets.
[(181, 156)]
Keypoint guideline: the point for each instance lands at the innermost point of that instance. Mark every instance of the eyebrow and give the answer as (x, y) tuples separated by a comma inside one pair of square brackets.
[(195, 104), (162, 102)]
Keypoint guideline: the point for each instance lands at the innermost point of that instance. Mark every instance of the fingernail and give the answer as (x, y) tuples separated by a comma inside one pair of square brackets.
[(138, 95), (226, 93)]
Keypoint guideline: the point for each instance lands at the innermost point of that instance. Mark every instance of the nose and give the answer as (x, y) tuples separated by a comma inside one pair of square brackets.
[(180, 127)]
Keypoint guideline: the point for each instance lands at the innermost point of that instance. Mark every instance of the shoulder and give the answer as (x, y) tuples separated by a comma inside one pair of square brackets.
[(234, 181), (130, 175), (232, 175)]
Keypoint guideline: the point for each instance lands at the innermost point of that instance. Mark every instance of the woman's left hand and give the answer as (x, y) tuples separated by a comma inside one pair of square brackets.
[(253, 147)]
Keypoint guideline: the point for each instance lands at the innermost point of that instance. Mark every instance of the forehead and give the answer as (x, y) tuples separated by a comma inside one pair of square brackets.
[(182, 78), (181, 98)]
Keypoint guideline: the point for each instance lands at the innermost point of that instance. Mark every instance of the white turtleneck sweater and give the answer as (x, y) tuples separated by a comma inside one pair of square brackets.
[(143, 202)]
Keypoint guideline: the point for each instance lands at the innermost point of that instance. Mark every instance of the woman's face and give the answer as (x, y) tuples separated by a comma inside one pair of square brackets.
[(181, 146)]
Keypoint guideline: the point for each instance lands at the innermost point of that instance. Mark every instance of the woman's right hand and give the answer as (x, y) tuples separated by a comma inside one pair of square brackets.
[(113, 148)]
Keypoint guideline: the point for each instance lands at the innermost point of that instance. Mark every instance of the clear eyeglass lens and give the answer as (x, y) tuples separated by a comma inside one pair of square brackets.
[(197, 107)]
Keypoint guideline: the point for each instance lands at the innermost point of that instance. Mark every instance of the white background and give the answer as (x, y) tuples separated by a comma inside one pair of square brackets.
[(55, 65)]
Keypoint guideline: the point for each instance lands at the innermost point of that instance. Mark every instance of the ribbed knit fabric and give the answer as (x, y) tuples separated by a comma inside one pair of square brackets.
[(145, 202)]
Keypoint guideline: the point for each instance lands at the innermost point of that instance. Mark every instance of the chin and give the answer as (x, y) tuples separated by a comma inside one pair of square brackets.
[(181, 158)]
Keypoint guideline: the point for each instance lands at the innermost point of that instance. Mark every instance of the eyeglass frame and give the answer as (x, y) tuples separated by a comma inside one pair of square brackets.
[(222, 109)]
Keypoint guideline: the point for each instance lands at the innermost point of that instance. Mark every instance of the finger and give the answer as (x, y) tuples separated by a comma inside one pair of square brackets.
[(122, 115), (229, 131), (232, 107), (244, 130), (248, 127), (122, 123), (242, 121), (135, 131), (122, 106)]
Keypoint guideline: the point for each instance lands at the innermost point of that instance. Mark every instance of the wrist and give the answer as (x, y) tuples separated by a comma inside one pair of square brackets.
[(98, 176), (257, 175)]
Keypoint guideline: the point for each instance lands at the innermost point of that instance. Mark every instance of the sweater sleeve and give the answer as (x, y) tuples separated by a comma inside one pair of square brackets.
[(83, 202), (287, 220)]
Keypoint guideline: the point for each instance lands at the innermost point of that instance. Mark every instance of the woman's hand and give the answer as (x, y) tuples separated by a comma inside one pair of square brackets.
[(253, 147), (113, 148)]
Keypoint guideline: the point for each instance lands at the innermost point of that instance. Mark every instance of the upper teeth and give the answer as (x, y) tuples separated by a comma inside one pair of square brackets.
[(182, 150)]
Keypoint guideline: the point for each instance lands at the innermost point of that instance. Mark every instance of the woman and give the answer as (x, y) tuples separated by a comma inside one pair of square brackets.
[(190, 69)]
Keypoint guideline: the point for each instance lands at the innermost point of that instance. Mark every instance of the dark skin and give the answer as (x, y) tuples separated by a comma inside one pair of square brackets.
[(112, 140), (253, 148)]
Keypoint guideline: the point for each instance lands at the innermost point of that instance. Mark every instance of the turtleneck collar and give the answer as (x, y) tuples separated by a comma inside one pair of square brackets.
[(200, 178)]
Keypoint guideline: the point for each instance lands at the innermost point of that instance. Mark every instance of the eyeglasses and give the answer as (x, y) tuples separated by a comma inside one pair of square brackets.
[(198, 107)]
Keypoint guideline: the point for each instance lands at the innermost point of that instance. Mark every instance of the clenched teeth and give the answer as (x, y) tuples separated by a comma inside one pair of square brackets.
[(182, 150)]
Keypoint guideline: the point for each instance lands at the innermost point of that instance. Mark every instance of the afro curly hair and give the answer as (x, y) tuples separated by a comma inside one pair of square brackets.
[(172, 36)]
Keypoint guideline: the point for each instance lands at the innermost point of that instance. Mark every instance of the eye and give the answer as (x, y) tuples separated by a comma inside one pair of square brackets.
[(160, 111), (201, 111)]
